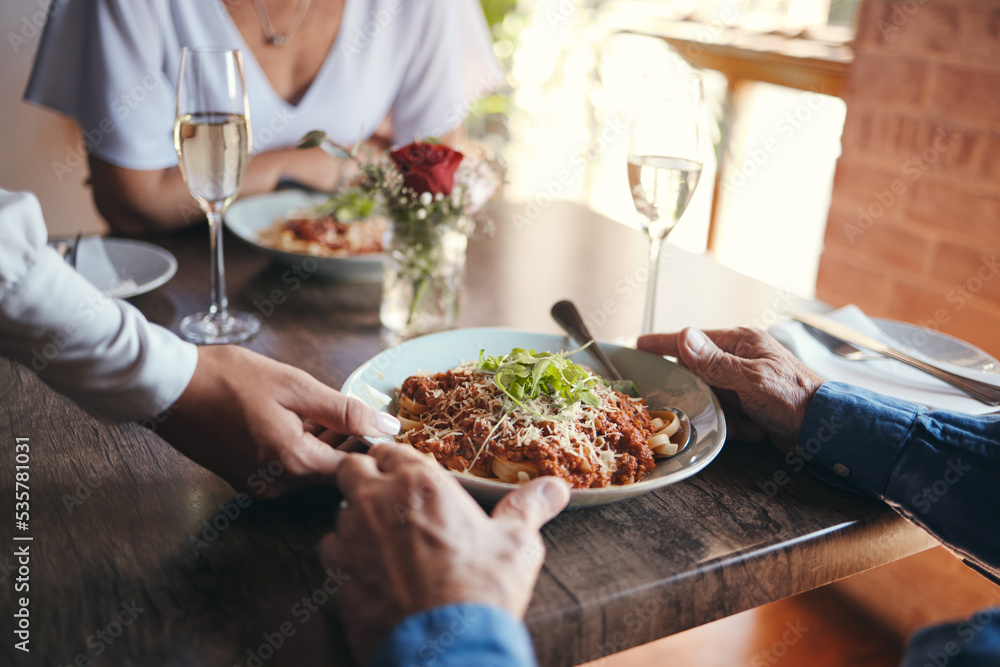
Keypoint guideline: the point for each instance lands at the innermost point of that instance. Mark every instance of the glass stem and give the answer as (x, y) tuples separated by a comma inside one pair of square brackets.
[(220, 304), (655, 245)]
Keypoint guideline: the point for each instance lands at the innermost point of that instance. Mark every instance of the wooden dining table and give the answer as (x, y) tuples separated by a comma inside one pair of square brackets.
[(138, 556)]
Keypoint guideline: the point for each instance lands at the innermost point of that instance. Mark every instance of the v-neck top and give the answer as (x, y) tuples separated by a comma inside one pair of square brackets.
[(113, 65)]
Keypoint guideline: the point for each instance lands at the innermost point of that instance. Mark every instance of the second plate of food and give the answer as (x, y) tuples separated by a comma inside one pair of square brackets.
[(254, 220), (660, 382)]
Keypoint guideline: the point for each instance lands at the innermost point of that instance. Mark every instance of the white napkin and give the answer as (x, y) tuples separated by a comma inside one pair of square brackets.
[(885, 376), (93, 263)]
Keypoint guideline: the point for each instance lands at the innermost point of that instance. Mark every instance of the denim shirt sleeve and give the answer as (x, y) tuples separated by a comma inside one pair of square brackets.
[(940, 470), (972, 642), (457, 635)]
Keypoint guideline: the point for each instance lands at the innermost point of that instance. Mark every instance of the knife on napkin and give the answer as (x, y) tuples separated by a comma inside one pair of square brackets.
[(982, 391)]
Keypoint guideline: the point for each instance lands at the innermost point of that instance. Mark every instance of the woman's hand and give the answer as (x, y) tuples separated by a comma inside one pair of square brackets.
[(410, 538), (763, 388), (243, 413)]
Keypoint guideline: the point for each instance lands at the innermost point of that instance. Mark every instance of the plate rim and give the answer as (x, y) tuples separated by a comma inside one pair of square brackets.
[(580, 496), (149, 285), (939, 334)]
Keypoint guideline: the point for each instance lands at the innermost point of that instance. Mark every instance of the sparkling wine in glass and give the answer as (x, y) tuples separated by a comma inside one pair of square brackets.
[(664, 163), (212, 139)]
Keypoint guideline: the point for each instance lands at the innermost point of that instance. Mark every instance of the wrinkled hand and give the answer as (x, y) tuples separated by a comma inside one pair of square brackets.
[(411, 538), (763, 388), (242, 414)]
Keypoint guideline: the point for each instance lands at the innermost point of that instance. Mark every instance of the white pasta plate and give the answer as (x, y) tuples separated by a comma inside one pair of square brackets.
[(661, 382), (249, 216)]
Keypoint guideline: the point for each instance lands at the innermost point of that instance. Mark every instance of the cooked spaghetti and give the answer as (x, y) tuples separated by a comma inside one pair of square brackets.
[(469, 423), (325, 236)]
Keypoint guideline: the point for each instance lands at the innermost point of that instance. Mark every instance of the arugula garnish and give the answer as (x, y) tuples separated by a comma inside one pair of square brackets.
[(348, 206), (524, 375)]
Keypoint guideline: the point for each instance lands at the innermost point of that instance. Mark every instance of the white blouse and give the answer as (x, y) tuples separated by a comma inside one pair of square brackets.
[(101, 352), (113, 64)]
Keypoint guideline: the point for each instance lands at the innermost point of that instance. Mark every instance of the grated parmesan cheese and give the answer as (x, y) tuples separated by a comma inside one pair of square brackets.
[(587, 445)]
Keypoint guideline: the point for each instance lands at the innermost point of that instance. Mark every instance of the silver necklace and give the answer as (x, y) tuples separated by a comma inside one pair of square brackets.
[(272, 36)]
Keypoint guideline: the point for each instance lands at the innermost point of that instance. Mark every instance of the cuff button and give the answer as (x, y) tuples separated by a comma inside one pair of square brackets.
[(841, 469)]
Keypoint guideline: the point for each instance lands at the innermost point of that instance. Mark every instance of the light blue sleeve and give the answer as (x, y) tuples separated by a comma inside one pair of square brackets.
[(451, 68), (457, 635), (102, 62)]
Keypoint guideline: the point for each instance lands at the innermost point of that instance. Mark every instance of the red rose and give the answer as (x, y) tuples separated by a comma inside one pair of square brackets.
[(427, 167)]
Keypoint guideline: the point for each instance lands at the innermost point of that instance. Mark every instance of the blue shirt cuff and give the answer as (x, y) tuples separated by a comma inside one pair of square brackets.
[(974, 642), (457, 635), (940, 470), (851, 437)]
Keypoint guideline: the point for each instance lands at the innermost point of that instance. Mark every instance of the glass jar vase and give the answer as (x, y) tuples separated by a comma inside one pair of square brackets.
[(423, 277)]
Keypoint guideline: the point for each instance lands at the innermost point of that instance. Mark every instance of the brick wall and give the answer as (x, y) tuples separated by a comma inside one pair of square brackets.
[(914, 225)]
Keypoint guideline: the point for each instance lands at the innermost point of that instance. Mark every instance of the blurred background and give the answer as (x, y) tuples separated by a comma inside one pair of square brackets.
[(566, 107), (854, 152), (572, 80), (777, 76)]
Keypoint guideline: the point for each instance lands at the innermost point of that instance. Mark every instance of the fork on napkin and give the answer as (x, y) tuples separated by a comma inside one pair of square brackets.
[(885, 376)]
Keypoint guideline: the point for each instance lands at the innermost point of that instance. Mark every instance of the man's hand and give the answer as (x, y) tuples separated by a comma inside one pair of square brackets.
[(243, 412), (762, 386), (410, 538)]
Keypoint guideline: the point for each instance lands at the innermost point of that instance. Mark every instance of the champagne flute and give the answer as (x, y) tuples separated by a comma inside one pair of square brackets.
[(664, 163), (212, 139)]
